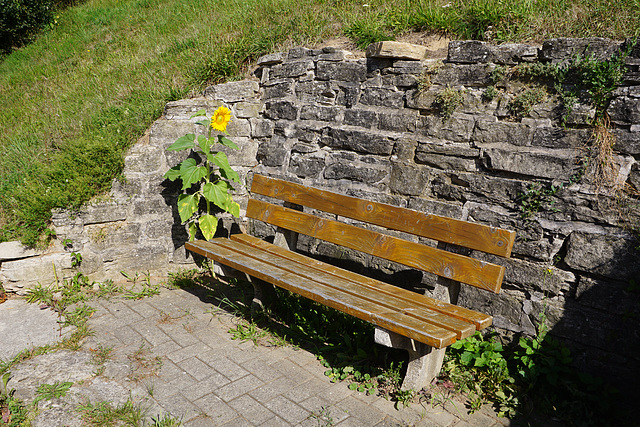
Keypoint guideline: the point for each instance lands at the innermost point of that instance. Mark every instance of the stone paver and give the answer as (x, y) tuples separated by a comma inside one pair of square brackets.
[(173, 356)]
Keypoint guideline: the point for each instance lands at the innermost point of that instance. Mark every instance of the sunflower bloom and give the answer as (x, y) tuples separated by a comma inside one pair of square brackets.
[(220, 119)]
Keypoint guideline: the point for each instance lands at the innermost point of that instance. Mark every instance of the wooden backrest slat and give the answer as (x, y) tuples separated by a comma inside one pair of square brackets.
[(442, 263), (469, 235)]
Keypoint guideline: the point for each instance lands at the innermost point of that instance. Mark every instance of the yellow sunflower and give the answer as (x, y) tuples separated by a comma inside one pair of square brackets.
[(220, 119)]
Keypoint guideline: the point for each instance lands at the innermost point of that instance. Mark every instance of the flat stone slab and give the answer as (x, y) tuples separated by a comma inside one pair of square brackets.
[(25, 326)]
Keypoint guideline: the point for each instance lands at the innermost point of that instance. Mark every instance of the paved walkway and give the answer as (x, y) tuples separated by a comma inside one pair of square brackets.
[(173, 354)]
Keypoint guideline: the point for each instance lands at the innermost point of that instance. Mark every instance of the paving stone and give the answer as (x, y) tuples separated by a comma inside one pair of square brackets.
[(188, 352), (261, 369), (309, 389), (217, 410), (206, 386), (179, 335), (365, 414), (272, 389), (154, 335), (288, 410), (251, 409), (226, 367), (179, 406), (200, 421), (238, 387), (196, 368)]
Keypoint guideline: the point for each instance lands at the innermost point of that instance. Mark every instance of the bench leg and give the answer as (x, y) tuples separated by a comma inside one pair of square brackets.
[(425, 362), (264, 294), (424, 365)]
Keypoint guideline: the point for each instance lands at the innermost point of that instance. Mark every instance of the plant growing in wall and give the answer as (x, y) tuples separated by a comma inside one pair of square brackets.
[(211, 180)]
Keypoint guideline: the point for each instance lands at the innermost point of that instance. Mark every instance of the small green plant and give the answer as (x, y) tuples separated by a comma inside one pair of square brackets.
[(104, 414), (447, 101), (51, 391), (490, 93), (424, 80), (13, 412), (536, 198), (76, 259), (212, 180), (166, 420), (498, 74), (404, 397), (323, 417), (247, 331), (522, 105)]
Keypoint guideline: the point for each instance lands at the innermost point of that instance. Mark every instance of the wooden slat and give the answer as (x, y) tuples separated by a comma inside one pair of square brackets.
[(479, 320), (357, 289), (492, 240), (442, 263), (326, 295)]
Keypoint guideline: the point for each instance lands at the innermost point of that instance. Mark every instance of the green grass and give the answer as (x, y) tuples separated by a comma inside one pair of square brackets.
[(73, 101)]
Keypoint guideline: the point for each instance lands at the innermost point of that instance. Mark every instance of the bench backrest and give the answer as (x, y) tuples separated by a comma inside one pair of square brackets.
[(446, 264)]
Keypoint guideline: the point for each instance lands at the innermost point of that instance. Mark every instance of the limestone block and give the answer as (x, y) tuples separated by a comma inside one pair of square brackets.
[(396, 50), (627, 142), (361, 142), (306, 166), (454, 75), (383, 97), (348, 95), (408, 67), (624, 110), (316, 92), (605, 255), (402, 121), (360, 117), (146, 159), (278, 90), (634, 176), (552, 164), (317, 112), (347, 71), (435, 207), (422, 99), (245, 155), (273, 152), (554, 137), (22, 274), (473, 51), (458, 128), (261, 128), (489, 130), (505, 307), (291, 69), (580, 114), (357, 171), (247, 110), (404, 81), (446, 162), (281, 110), (183, 109), (408, 178), (563, 49), (15, 250), (271, 59), (238, 128), (233, 91)]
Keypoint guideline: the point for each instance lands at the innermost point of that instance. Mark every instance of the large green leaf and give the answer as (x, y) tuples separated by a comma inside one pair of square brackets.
[(193, 229), (183, 143), (216, 193), (187, 206), (173, 173), (190, 173), (227, 142), (204, 144), (221, 160), (208, 226), (233, 208)]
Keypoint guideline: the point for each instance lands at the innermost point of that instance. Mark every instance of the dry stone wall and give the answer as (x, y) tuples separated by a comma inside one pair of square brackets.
[(378, 127)]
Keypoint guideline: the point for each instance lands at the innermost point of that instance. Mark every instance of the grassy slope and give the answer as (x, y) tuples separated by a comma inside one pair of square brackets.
[(72, 102)]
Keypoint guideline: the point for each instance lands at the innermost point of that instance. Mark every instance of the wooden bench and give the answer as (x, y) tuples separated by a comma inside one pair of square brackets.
[(404, 319)]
